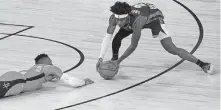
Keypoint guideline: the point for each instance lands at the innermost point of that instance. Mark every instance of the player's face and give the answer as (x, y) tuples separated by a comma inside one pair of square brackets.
[(122, 21)]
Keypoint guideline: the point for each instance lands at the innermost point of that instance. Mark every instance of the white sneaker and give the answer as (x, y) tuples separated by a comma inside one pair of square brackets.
[(208, 68)]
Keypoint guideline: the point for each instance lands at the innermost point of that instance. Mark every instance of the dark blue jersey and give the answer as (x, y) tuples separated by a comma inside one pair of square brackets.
[(149, 11)]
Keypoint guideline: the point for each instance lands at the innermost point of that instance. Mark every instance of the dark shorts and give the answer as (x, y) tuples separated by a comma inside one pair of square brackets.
[(14, 87), (157, 27), (6, 86)]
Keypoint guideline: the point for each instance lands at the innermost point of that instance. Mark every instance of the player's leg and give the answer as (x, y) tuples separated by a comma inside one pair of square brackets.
[(11, 83), (122, 33), (182, 53), (167, 43)]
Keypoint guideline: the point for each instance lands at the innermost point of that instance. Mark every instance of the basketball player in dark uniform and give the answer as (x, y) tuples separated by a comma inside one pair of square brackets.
[(13, 83), (131, 20)]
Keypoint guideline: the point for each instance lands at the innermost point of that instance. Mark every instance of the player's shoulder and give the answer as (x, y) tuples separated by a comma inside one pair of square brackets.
[(140, 9), (36, 67), (51, 68), (140, 5)]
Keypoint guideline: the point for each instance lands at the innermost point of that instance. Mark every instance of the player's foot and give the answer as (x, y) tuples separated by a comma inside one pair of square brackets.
[(208, 68)]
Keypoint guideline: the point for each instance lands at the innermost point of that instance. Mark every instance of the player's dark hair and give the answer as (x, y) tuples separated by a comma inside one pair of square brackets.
[(43, 55), (120, 8)]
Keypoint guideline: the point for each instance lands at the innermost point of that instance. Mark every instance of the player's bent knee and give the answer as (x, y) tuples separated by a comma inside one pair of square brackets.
[(162, 36), (169, 46)]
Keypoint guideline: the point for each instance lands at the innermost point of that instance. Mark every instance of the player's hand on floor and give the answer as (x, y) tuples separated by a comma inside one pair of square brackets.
[(100, 60), (88, 81)]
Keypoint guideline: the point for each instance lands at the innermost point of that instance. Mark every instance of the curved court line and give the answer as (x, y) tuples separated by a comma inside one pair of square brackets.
[(193, 50), (79, 52), (15, 25)]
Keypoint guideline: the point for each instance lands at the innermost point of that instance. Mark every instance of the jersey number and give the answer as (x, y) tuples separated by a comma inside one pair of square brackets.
[(139, 5), (135, 11)]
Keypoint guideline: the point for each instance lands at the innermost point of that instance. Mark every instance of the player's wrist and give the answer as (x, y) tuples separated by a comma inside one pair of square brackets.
[(120, 60)]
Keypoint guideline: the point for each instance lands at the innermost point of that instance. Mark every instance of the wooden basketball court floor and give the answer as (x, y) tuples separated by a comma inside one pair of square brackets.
[(57, 27)]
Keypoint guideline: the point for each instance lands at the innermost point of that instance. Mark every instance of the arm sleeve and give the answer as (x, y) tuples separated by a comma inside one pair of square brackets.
[(108, 37), (105, 44)]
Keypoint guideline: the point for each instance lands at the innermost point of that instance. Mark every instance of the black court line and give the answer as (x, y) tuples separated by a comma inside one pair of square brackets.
[(14, 25), (193, 50), (79, 52), (9, 35)]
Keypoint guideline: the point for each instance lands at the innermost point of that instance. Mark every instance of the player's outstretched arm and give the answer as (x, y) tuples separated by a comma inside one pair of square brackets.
[(56, 72), (108, 37), (134, 42), (106, 40), (137, 27)]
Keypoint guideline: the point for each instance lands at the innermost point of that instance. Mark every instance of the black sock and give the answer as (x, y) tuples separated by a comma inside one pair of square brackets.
[(200, 63)]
